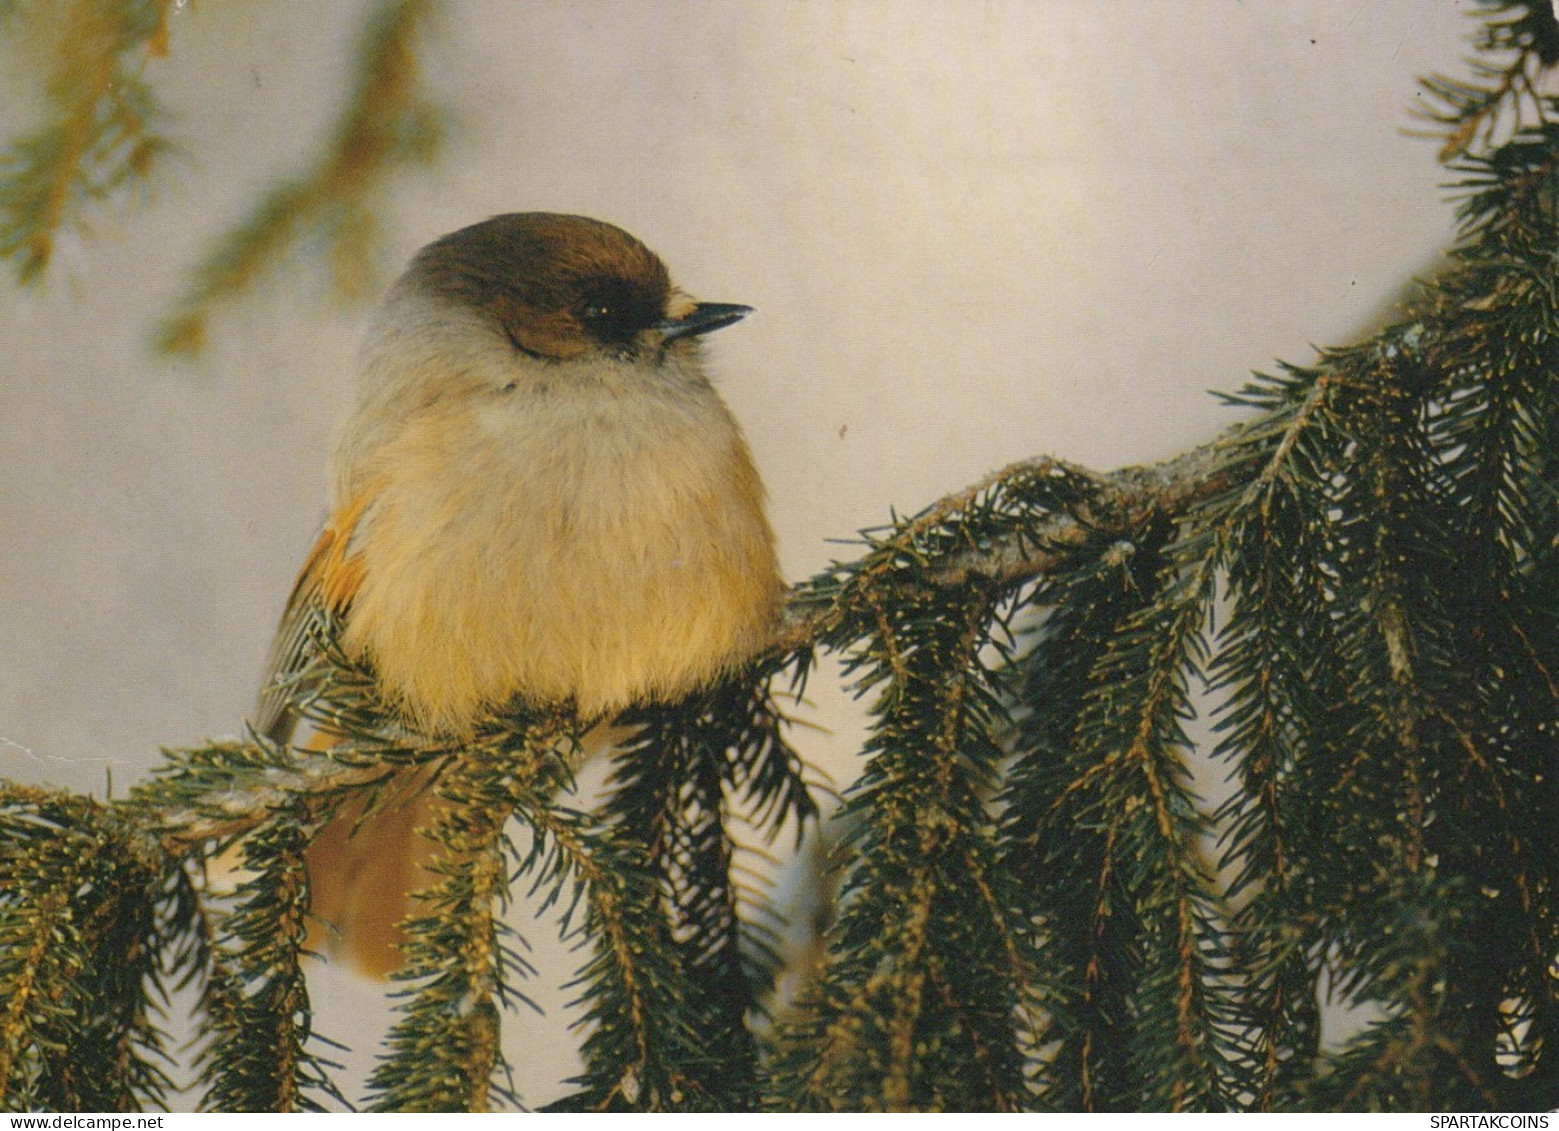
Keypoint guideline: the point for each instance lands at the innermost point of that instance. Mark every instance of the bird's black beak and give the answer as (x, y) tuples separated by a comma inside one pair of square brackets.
[(706, 318)]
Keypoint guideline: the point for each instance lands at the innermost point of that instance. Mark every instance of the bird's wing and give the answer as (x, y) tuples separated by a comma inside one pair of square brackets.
[(328, 581)]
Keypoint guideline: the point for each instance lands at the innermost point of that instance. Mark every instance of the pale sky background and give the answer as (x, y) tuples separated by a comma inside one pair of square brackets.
[(974, 231)]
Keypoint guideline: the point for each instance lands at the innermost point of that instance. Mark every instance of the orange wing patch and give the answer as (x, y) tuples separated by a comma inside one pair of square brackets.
[(329, 579), (339, 571)]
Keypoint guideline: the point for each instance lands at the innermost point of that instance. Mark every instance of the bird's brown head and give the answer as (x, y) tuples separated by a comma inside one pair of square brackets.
[(563, 286)]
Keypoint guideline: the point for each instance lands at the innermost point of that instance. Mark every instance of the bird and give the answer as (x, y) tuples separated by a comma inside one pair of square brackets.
[(539, 497)]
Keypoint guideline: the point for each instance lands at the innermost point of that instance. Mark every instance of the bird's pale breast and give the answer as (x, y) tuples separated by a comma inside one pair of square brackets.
[(565, 542)]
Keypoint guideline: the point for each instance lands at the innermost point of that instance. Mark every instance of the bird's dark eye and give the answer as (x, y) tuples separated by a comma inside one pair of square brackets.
[(614, 311)]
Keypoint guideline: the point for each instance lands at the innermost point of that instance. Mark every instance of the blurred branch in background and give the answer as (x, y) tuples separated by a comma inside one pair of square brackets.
[(100, 131), (387, 124), (103, 135)]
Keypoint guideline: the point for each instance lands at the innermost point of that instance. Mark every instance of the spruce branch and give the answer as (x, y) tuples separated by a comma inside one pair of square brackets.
[(444, 1052), (892, 1024), (258, 1052), (639, 1036), (672, 1022), (86, 901), (674, 789), (1065, 506), (1519, 41)]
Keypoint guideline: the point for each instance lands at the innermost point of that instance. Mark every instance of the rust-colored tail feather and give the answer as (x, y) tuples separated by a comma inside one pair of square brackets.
[(362, 872)]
